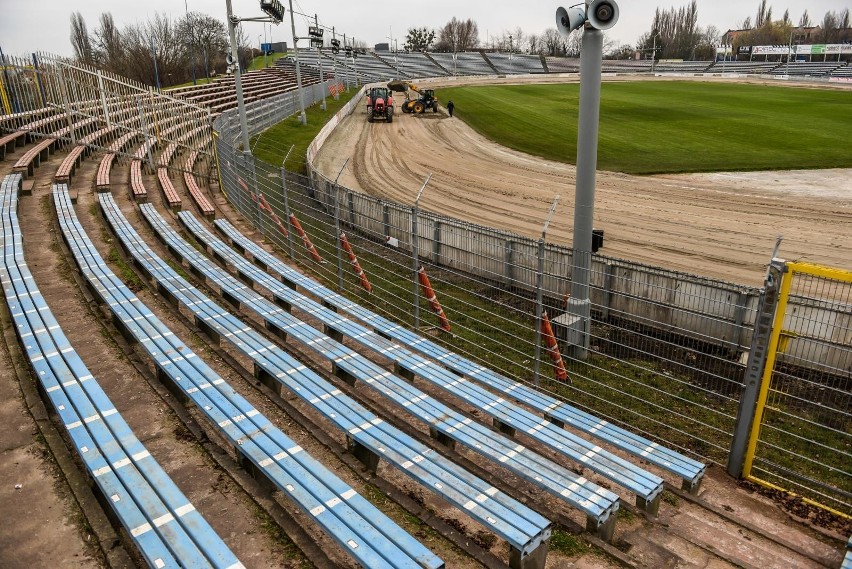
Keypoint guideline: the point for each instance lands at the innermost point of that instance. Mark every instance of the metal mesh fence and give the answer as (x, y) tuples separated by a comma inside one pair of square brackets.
[(805, 440), (667, 349)]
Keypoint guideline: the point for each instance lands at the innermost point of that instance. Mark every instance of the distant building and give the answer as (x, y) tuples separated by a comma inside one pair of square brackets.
[(381, 47), (279, 47)]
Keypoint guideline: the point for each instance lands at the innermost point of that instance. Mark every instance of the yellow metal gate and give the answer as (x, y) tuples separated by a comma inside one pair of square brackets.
[(801, 438)]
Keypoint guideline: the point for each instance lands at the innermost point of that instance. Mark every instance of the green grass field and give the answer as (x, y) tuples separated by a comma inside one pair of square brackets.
[(652, 127)]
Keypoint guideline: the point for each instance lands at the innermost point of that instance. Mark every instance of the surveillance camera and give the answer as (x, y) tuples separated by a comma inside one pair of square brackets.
[(569, 20), (603, 14)]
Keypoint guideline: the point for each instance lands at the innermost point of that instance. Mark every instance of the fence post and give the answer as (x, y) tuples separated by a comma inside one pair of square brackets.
[(539, 294), (287, 211), (338, 245), (754, 374), (539, 290), (415, 254)]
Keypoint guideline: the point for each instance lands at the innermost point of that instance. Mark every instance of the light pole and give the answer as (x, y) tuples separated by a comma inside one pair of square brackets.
[(275, 13), (302, 116), (156, 70), (192, 35), (599, 15), (654, 51)]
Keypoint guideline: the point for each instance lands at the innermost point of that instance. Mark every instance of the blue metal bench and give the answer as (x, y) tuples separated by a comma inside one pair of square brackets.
[(847, 559), (446, 424), (690, 471), (363, 531), (522, 528), (506, 415), (162, 523)]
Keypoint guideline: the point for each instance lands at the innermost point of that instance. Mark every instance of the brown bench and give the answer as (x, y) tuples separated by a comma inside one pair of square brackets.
[(9, 141), (32, 158), (140, 194), (69, 165), (102, 180), (201, 201), (169, 191)]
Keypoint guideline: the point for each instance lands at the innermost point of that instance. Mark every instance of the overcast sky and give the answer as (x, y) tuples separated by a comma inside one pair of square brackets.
[(44, 25)]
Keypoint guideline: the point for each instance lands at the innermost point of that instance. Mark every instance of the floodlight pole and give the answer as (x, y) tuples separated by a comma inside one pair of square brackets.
[(241, 105), (334, 63), (319, 52), (579, 304), (186, 10), (302, 117)]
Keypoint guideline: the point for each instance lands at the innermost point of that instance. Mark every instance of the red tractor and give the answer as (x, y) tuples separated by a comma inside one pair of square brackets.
[(379, 104)]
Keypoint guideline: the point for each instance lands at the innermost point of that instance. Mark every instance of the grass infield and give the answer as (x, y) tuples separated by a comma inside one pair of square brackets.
[(650, 127)]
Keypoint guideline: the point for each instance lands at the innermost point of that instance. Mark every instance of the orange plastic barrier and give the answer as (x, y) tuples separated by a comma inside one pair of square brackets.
[(264, 205), (356, 266), (429, 293), (553, 348), (305, 239)]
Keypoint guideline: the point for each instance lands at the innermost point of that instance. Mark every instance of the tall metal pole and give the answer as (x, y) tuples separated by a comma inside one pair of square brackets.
[(265, 51), (345, 63), (539, 284), (334, 64), (415, 254), (319, 53), (186, 9), (302, 117), (241, 105), (337, 227), (579, 304), (156, 70)]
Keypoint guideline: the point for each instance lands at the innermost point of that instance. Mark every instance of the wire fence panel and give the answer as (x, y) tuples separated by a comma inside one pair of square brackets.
[(804, 443), (667, 351)]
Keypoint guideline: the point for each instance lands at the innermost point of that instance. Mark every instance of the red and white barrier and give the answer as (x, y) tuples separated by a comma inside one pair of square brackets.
[(553, 348), (429, 293)]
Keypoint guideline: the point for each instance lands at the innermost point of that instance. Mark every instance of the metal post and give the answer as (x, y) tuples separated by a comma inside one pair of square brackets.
[(241, 105), (103, 97), (415, 255), (154, 57), (287, 202), (186, 10), (345, 63), (756, 365), (355, 64), (322, 79), (334, 65), (66, 105), (579, 305), (539, 285), (302, 117), (337, 228)]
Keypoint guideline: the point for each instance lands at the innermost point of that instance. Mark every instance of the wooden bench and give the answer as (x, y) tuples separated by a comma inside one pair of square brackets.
[(9, 142), (169, 190), (32, 158), (140, 194), (69, 165), (104, 168), (201, 201)]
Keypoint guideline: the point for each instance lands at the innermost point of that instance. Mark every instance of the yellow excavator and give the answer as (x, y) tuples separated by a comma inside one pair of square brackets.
[(426, 97)]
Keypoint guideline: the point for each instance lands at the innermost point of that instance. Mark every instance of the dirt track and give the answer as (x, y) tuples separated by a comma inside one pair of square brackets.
[(717, 225)]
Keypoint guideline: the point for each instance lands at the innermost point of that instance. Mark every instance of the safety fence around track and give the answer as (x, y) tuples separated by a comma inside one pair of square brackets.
[(669, 351)]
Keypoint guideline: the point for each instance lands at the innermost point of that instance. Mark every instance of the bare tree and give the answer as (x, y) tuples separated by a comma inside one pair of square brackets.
[(805, 20), (458, 35), (830, 26), (108, 49), (785, 20), (80, 39), (675, 31)]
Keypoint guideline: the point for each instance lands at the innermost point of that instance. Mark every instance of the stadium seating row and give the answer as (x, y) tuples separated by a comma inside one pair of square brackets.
[(165, 527), (362, 530), (524, 529), (560, 413)]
